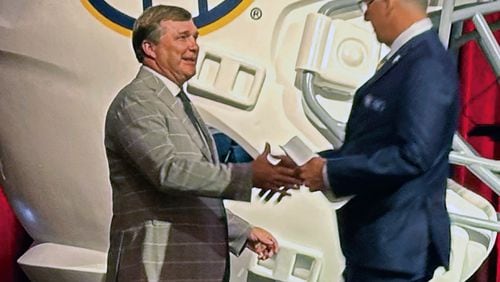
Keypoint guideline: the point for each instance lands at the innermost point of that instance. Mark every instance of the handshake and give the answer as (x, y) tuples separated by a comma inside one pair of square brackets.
[(278, 179), (286, 174)]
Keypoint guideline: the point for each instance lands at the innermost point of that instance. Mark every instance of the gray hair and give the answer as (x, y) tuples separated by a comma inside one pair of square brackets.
[(147, 26)]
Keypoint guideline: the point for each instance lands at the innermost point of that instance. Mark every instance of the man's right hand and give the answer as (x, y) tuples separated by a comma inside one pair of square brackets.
[(269, 177), (312, 173)]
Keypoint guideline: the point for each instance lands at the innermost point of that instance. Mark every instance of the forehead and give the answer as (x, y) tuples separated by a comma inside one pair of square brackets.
[(178, 26)]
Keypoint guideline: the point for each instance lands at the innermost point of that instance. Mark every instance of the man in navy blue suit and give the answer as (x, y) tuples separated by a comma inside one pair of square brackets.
[(394, 159)]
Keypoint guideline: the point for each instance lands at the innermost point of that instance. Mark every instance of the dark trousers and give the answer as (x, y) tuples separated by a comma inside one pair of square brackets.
[(354, 273), (362, 274)]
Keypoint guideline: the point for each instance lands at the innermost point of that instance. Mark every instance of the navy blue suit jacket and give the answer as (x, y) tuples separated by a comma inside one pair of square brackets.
[(395, 160)]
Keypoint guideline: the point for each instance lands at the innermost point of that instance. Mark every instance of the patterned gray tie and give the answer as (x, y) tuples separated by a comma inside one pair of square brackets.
[(381, 63), (198, 123)]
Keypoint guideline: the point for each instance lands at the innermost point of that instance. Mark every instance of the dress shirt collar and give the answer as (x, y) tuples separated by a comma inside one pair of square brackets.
[(171, 86), (415, 29)]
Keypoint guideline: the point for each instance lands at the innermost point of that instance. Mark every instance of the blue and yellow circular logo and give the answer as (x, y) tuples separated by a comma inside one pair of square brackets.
[(207, 20)]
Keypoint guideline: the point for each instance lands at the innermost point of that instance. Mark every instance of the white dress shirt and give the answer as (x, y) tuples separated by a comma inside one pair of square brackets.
[(171, 86), (415, 29)]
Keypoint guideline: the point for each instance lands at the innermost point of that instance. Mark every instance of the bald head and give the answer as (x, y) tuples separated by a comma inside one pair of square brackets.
[(390, 18)]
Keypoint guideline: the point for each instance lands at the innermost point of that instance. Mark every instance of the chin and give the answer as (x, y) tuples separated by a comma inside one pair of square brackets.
[(190, 73)]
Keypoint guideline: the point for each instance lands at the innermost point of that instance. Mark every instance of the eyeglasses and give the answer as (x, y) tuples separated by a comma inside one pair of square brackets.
[(363, 5)]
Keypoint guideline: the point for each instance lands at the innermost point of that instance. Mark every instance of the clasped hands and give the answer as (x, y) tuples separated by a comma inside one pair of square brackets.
[(263, 243), (286, 174)]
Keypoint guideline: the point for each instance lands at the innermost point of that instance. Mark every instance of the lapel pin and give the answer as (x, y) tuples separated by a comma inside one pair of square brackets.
[(396, 59)]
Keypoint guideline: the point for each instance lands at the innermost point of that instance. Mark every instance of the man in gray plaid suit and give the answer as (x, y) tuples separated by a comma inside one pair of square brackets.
[(169, 222)]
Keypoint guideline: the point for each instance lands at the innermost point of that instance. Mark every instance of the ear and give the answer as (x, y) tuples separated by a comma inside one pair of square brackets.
[(148, 48), (390, 5)]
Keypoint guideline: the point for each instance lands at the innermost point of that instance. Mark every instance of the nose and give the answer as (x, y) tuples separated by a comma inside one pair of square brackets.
[(364, 9), (193, 45)]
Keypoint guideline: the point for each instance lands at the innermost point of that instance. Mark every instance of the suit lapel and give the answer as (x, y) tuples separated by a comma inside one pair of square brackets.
[(154, 83), (383, 70), (395, 59)]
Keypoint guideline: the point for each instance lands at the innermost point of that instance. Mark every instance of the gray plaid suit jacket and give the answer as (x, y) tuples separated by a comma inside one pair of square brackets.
[(169, 222)]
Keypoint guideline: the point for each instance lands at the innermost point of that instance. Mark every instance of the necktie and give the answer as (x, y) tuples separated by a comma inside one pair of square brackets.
[(198, 123), (381, 63)]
